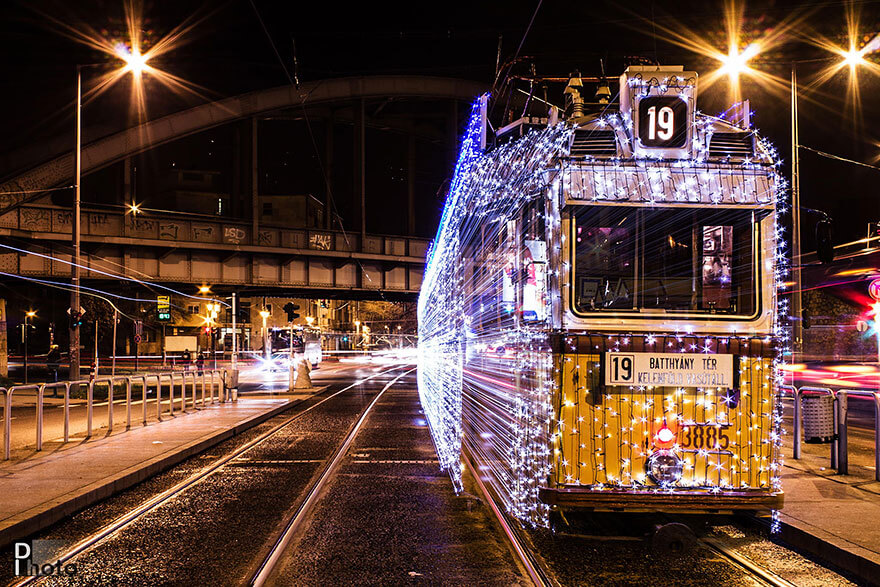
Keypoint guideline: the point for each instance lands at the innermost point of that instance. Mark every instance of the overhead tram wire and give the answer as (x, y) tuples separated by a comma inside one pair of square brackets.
[(60, 285), (838, 158), (512, 61), (66, 287), (114, 275), (295, 83)]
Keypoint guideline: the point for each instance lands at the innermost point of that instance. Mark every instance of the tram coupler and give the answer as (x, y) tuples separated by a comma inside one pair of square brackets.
[(672, 538)]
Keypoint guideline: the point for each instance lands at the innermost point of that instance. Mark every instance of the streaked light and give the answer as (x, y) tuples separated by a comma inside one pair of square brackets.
[(863, 271), (735, 62), (135, 62), (853, 58), (853, 369)]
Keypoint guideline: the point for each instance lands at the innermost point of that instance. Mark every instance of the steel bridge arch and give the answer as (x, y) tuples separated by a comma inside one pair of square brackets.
[(118, 146)]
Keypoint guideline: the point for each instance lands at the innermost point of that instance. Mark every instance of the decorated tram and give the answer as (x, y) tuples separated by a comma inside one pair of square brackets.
[(598, 321)]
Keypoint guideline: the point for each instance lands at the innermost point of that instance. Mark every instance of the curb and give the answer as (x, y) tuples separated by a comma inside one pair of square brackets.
[(862, 568), (40, 517)]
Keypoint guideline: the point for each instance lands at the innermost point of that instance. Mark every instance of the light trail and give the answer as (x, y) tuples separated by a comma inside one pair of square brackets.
[(146, 284)]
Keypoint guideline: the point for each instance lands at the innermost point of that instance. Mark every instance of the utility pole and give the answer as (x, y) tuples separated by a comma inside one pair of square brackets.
[(73, 374), (234, 335), (4, 357), (115, 320), (797, 298), (96, 344)]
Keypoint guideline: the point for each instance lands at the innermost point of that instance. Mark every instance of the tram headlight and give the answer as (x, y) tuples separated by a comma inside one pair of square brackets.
[(664, 467)]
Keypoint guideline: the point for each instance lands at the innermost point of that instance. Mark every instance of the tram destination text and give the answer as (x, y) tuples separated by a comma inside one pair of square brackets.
[(684, 369)]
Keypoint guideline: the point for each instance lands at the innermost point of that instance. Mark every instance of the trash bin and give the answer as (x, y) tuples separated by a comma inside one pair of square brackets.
[(818, 418), (232, 385)]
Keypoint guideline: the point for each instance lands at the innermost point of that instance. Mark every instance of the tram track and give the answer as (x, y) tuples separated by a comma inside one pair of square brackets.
[(271, 560), (541, 576), (105, 533), (523, 552), (754, 570)]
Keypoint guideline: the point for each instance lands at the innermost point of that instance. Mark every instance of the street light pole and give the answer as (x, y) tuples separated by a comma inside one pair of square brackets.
[(115, 320), (234, 335), (27, 316), (797, 297), (73, 374), (264, 314)]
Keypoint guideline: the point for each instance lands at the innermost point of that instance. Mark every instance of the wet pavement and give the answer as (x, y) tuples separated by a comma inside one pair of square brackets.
[(390, 517)]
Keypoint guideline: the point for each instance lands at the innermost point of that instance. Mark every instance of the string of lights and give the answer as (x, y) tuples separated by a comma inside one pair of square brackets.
[(505, 374)]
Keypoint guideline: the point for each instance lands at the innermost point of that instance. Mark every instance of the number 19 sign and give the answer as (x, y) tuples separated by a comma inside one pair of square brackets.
[(669, 369), (662, 121)]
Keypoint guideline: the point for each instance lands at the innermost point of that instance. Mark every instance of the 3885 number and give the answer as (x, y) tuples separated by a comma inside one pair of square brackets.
[(705, 436)]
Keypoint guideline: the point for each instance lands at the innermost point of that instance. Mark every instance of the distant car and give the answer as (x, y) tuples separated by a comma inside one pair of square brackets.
[(279, 361)]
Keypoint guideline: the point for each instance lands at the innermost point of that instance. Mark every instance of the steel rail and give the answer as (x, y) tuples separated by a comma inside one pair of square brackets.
[(751, 567), (271, 560), (522, 552), (131, 516)]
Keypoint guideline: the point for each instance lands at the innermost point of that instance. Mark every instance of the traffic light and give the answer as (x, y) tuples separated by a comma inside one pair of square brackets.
[(291, 309), (76, 319)]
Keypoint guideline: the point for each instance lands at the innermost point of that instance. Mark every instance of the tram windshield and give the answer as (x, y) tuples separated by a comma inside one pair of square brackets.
[(664, 259)]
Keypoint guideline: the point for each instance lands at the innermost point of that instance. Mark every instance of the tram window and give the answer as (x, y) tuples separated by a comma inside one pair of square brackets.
[(604, 258), (676, 260), (669, 276)]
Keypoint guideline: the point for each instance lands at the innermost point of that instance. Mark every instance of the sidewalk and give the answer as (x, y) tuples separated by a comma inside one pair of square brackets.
[(834, 517), (42, 489)]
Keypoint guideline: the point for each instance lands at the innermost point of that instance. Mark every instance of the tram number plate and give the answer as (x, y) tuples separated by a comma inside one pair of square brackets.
[(708, 436), (669, 369)]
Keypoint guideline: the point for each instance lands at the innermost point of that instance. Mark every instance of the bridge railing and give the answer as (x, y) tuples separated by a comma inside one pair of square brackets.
[(840, 442), (213, 388), (187, 228)]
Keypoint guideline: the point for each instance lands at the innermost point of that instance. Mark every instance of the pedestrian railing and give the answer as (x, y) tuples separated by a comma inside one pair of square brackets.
[(840, 442), (213, 389)]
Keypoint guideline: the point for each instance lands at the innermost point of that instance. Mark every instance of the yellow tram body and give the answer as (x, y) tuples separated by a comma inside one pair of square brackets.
[(604, 437)]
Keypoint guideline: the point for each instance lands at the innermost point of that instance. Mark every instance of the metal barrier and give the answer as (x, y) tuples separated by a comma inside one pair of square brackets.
[(218, 378), (840, 443)]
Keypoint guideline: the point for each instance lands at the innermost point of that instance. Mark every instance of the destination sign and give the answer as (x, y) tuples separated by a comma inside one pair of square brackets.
[(669, 369)]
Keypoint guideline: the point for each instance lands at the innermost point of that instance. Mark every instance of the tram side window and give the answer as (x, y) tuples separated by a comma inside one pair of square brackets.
[(605, 260), (534, 263)]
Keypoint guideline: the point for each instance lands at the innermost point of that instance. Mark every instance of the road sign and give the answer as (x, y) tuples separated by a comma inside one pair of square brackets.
[(874, 289), (138, 328), (163, 308), (137, 338)]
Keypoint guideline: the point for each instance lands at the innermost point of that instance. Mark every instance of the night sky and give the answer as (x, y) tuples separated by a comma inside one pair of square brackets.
[(227, 52)]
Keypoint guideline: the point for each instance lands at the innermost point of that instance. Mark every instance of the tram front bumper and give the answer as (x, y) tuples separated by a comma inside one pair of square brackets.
[(679, 501)]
